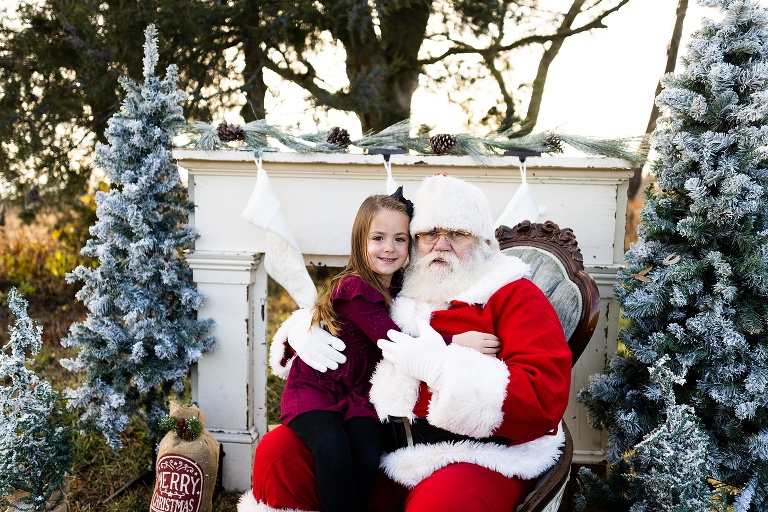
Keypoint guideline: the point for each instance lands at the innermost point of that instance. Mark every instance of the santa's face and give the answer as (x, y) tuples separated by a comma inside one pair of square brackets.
[(440, 272), (457, 243)]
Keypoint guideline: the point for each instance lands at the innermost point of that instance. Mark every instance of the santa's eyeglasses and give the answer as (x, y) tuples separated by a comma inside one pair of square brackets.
[(452, 237)]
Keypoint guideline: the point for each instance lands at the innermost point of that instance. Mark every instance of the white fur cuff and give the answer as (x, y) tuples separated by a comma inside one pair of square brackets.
[(393, 393), (471, 394), (278, 362)]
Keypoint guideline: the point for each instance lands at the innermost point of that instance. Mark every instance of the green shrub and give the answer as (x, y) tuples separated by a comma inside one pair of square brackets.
[(35, 264)]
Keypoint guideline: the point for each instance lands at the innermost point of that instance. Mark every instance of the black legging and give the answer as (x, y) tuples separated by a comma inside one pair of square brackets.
[(346, 457)]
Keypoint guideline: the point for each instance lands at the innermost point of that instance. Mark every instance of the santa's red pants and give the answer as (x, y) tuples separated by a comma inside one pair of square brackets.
[(284, 478)]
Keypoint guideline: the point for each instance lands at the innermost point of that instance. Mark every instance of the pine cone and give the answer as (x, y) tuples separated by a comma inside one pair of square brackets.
[(442, 143), (339, 137), (554, 143), (229, 132)]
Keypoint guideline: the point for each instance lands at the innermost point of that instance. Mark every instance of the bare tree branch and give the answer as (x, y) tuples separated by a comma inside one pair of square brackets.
[(534, 105), (560, 34), (672, 52)]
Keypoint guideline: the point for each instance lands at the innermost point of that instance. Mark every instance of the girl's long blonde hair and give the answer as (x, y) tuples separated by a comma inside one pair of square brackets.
[(358, 260)]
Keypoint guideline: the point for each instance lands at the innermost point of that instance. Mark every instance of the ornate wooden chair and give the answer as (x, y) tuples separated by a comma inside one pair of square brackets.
[(557, 268)]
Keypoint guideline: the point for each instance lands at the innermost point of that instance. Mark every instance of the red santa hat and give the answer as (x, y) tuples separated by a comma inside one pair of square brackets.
[(443, 202)]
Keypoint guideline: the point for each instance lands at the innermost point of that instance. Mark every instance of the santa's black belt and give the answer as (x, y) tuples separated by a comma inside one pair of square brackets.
[(399, 433)]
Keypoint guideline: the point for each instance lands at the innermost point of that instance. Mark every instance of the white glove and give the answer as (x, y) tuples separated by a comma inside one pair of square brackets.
[(420, 357), (315, 346)]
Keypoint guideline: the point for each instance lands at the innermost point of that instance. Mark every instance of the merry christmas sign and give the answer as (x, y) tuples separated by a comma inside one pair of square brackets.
[(178, 485)]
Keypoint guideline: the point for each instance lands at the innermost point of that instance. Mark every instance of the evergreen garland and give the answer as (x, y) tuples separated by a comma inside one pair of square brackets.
[(254, 135), (208, 137), (397, 136), (141, 334), (36, 448), (695, 288)]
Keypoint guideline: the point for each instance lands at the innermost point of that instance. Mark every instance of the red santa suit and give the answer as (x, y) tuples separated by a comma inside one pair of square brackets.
[(521, 395)]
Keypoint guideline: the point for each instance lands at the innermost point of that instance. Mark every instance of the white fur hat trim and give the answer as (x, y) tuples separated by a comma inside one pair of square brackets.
[(445, 202)]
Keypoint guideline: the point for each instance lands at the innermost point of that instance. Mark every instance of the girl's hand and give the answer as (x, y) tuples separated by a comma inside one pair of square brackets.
[(481, 341)]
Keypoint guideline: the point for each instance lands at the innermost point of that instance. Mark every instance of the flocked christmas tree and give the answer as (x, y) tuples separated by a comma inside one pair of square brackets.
[(141, 334), (695, 289), (35, 444)]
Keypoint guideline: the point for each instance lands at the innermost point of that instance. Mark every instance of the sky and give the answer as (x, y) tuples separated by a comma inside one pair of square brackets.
[(602, 83)]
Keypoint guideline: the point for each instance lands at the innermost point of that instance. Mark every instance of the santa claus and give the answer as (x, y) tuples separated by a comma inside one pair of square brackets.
[(462, 430)]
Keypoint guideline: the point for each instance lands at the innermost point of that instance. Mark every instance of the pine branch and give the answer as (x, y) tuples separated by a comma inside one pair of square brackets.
[(396, 136)]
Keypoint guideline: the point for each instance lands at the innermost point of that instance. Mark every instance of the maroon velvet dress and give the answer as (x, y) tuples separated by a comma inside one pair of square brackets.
[(363, 319)]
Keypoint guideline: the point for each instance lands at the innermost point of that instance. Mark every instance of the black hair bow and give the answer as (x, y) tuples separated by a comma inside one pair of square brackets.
[(408, 204)]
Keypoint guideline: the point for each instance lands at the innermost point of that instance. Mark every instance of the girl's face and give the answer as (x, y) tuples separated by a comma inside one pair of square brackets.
[(387, 243)]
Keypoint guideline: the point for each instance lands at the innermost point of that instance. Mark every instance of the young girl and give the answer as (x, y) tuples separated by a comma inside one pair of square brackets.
[(330, 411)]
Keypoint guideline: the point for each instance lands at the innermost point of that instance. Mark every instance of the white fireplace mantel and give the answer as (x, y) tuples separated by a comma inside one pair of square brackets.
[(320, 195)]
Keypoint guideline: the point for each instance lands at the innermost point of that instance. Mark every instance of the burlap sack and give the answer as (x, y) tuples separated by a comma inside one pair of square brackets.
[(185, 474)]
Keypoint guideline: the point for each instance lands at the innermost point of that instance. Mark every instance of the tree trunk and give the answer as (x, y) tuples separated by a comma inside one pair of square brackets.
[(393, 105), (254, 87), (395, 54)]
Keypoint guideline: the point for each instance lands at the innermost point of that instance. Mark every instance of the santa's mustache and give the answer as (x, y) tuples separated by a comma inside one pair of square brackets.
[(441, 256)]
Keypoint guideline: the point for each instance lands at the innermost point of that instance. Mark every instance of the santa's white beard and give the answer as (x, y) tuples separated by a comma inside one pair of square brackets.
[(439, 284)]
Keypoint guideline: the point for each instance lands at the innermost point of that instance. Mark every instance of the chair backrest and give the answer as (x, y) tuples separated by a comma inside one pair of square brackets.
[(557, 268)]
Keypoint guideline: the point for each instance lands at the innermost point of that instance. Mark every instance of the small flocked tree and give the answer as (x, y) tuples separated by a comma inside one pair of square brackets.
[(668, 467), (670, 463), (35, 445), (695, 288), (141, 334)]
